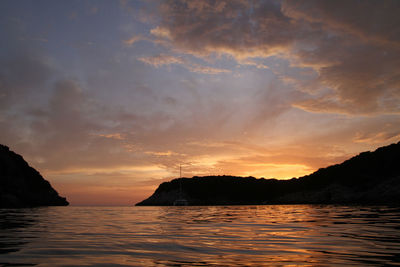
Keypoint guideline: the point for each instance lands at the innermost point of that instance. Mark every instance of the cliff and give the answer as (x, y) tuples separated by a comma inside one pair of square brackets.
[(23, 186), (368, 178)]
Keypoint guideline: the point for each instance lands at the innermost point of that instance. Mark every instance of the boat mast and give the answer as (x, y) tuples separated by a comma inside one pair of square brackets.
[(180, 181)]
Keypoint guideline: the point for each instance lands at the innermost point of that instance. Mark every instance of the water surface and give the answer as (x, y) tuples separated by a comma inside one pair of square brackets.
[(306, 235)]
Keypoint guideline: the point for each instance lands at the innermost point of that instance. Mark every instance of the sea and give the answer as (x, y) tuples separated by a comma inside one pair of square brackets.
[(271, 235)]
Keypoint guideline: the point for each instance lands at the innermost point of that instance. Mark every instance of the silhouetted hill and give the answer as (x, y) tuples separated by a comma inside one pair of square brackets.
[(369, 178), (23, 186)]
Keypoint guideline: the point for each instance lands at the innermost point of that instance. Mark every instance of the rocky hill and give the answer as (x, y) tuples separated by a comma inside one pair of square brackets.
[(23, 186), (368, 178)]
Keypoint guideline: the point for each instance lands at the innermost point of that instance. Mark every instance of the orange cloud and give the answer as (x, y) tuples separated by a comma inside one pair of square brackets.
[(117, 136), (161, 32), (376, 138), (163, 59)]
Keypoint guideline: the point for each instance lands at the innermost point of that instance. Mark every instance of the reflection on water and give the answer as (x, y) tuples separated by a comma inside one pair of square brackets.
[(11, 223), (200, 236)]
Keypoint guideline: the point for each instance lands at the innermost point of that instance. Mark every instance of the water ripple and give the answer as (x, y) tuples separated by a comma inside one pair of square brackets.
[(277, 235)]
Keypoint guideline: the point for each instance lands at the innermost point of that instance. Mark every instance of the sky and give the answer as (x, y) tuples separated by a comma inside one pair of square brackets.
[(106, 99)]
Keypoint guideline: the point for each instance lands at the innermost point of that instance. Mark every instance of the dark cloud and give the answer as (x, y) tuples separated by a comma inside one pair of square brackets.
[(239, 28), (374, 21), (353, 46), (358, 58), (51, 120), (23, 74)]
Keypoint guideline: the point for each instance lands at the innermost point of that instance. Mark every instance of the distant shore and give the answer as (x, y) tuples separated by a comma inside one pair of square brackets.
[(371, 178)]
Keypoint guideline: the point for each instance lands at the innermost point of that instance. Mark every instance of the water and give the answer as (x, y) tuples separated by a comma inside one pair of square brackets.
[(200, 236)]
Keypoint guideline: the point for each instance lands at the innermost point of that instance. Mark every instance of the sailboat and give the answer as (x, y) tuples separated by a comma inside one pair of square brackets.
[(180, 201)]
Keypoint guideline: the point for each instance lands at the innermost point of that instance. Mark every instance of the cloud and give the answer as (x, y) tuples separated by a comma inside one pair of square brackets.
[(117, 136), (206, 69), (377, 138), (161, 32), (164, 59), (252, 62), (51, 119), (161, 60), (225, 27), (353, 47), (23, 74), (162, 153), (380, 130), (372, 21), (134, 39)]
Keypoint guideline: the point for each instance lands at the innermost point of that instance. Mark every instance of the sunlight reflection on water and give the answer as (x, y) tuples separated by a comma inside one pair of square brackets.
[(201, 236)]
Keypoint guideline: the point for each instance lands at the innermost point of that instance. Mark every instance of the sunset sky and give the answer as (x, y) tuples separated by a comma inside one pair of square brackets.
[(107, 98)]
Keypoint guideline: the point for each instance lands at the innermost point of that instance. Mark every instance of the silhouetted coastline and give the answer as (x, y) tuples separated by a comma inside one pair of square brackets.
[(22, 186), (368, 178)]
